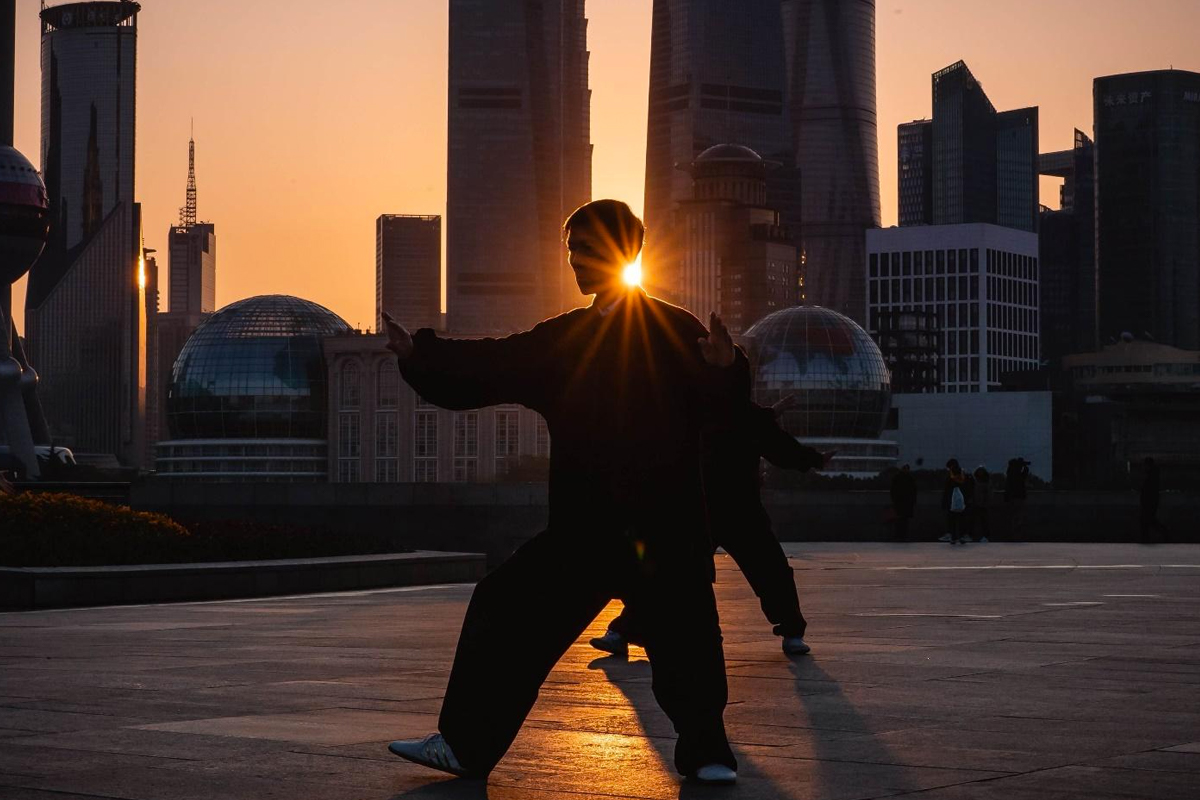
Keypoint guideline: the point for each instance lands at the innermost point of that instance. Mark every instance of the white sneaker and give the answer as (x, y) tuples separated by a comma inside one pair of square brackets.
[(966, 538), (715, 773), (945, 537), (795, 646), (611, 642), (983, 540), (432, 752)]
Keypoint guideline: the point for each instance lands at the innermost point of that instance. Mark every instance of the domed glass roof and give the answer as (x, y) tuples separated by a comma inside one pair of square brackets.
[(729, 152), (254, 370), (840, 382)]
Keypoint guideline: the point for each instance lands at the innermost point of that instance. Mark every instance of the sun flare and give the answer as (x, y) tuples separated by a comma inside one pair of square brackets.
[(633, 273)]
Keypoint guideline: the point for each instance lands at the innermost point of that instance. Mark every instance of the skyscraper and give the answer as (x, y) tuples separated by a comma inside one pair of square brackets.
[(1067, 247), (717, 74), (1147, 127), (736, 256), (916, 172), (85, 303), (408, 270), (519, 159), (192, 297), (830, 58), (983, 163)]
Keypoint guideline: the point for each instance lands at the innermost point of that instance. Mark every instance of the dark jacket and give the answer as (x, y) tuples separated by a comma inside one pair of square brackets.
[(626, 397), (904, 494), (1014, 480), (1151, 486)]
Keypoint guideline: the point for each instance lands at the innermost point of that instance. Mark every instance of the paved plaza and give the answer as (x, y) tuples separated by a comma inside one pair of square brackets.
[(1005, 671)]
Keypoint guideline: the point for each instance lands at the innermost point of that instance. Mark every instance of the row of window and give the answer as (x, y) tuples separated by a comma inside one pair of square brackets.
[(387, 385), (960, 261)]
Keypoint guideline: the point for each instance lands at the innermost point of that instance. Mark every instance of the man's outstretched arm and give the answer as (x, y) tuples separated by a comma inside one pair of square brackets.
[(462, 374), (777, 445)]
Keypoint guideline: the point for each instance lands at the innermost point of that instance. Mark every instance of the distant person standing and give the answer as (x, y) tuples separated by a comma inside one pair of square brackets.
[(1014, 494), (980, 504), (904, 501), (1151, 489), (957, 489)]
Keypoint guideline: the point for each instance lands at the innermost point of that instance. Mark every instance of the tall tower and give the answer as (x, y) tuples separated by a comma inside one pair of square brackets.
[(830, 50), (408, 269), (716, 76), (85, 303), (519, 159)]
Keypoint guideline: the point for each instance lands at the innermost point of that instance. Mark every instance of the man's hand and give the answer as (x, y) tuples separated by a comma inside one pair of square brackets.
[(785, 404), (717, 348), (400, 340)]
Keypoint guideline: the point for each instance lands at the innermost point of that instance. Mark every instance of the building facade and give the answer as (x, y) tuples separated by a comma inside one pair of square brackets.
[(830, 56), (192, 268), (982, 165), (981, 284), (1067, 250), (1147, 128), (380, 431), (916, 172), (85, 304), (735, 255), (408, 270), (717, 74), (519, 159), (910, 341)]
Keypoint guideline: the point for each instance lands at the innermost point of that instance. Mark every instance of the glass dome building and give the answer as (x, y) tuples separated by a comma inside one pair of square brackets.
[(248, 396), (839, 382)]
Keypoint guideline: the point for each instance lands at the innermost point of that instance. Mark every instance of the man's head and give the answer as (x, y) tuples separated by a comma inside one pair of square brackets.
[(953, 466), (603, 237)]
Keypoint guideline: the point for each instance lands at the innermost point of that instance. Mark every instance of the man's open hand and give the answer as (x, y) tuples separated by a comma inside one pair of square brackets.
[(717, 348), (400, 340)]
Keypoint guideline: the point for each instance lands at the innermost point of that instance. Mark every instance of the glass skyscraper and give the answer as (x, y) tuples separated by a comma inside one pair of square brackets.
[(519, 159), (1147, 127)]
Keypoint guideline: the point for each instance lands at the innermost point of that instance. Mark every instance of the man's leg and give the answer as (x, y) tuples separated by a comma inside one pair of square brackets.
[(752, 545), (683, 643), (554, 591)]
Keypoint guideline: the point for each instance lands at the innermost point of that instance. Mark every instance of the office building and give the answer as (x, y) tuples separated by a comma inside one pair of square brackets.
[(717, 75), (1067, 248), (1147, 128), (915, 176), (981, 284), (519, 160), (85, 303), (970, 163), (735, 255), (830, 58), (909, 341), (381, 431), (408, 270)]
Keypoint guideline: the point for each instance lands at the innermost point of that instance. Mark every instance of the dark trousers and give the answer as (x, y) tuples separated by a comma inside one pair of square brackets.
[(1150, 523), (752, 545), (954, 524), (556, 587)]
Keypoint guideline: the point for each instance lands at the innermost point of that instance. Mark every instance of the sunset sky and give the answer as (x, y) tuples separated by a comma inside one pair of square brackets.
[(313, 118)]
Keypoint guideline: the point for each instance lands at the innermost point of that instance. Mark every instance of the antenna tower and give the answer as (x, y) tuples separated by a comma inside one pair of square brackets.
[(187, 214)]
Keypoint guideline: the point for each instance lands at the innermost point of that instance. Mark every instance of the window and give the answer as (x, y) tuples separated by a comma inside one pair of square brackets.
[(425, 470), (425, 436), (542, 440), (508, 436), (466, 446), (387, 384), (387, 470), (348, 471), (351, 385), (349, 445), (387, 447), (466, 470)]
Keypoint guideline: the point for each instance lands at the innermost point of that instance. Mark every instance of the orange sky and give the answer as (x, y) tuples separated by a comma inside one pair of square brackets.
[(314, 118)]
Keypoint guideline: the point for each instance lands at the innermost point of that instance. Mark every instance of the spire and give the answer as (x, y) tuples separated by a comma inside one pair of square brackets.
[(187, 214)]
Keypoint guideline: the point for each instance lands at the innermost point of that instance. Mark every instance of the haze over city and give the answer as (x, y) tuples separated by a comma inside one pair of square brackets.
[(306, 134)]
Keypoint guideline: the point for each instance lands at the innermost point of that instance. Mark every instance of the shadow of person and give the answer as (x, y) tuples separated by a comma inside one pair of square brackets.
[(833, 719), (630, 674)]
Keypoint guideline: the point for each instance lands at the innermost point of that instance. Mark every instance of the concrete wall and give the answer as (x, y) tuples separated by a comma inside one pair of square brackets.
[(496, 518), (988, 428)]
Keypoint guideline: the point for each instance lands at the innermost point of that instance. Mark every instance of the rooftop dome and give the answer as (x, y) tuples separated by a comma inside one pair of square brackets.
[(831, 366), (729, 152), (254, 370)]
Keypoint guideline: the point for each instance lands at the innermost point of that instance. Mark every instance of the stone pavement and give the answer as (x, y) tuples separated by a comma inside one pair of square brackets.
[(1007, 671)]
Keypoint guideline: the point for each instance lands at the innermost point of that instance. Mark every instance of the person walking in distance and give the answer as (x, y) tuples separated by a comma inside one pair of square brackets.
[(1151, 489), (980, 504), (1015, 478), (628, 386), (904, 501), (741, 525), (954, 501)]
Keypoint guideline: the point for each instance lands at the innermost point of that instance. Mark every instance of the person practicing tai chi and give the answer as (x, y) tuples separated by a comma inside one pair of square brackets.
[(627, 386), (740, 524)]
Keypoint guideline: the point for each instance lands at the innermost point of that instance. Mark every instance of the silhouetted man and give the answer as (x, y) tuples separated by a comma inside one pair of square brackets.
[(626, 385), (904, 500), (741, 525), (1150, 495)]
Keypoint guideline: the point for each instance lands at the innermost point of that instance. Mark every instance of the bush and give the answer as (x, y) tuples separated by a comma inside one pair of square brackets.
[(47, 530), (60, 530)]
